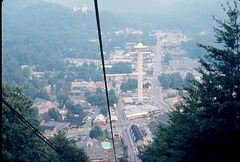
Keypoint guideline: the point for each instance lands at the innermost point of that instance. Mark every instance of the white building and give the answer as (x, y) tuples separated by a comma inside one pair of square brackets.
[(100, 120), (141, 111)]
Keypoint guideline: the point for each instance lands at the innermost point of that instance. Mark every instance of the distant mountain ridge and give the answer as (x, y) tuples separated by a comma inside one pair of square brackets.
[(48, 29)]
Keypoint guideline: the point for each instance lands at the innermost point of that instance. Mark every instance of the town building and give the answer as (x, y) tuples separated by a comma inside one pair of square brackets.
[(51, 127), (79, 87), (79, 62), (128, 100), (94, 150), (92, 86), (134, 112), (100, 120), (80, 7), (43, 105), (48, 129), (140, 48), (79, 121), (137, 136), (85, 106)]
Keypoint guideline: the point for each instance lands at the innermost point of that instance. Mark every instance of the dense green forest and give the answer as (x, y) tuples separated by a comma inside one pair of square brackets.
[(206, 125), (44, 33)]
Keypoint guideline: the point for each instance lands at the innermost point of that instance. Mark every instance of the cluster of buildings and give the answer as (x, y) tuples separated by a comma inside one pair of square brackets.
[(137, 103), (129, 31), (80, 7), (78, 88), (170, 42), (99, 151), (182, 65)]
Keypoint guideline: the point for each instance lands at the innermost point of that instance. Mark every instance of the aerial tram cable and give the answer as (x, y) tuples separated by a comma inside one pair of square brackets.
[(36, 132), (24, 143), (104, 72)]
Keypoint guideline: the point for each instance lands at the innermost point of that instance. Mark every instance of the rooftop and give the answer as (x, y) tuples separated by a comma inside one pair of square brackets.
[(58, 125), (136, 132), (127, 100), (100, 118), (47, 128), (79, 121), (134, 110)]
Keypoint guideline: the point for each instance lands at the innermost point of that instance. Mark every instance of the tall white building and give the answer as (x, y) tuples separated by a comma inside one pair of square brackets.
[(140, 48)]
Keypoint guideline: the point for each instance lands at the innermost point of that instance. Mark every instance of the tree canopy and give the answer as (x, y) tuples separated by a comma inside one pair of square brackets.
[(69, 148), (171, 80), (120, 68), (15, 134), (95, 132), (206, 126), (19, 143), (128, 85)]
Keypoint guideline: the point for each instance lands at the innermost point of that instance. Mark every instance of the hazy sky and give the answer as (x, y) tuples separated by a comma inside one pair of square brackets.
[(183, 7), (148, 6)]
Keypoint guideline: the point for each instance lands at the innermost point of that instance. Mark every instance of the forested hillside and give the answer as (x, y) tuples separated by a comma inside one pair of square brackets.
[(44, 33)]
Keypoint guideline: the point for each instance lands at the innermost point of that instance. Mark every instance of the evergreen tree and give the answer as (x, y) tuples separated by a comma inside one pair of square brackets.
[(187, 81), (104, 111), (206, 126), (18, 142), (54, 114), (68, 147)]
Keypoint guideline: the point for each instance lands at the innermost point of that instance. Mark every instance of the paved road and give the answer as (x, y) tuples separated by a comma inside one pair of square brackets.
[(120, 110), (124, 126), (129, 142), (156, 90)]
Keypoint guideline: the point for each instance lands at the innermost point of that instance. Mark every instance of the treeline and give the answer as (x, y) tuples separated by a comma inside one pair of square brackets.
[(175, 80), (120, 68), (129, 85), (99, 98), (59, 81), (205, 126), (54, 114)]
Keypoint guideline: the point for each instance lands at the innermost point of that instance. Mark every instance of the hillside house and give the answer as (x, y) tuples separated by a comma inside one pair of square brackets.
[(43, 105)]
